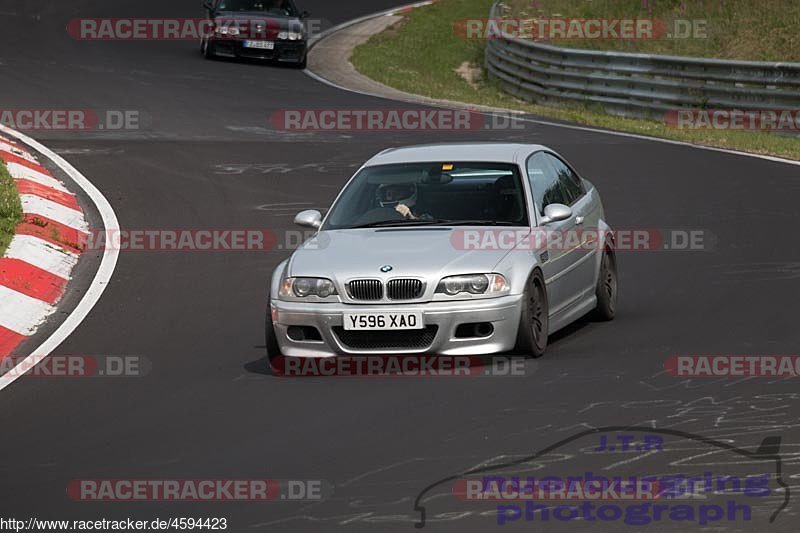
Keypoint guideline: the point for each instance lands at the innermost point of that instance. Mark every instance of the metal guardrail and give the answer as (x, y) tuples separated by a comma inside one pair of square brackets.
[(640, 85)]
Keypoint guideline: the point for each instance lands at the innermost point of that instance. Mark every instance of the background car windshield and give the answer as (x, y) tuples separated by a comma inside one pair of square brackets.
[(458, 192), (275, 7)]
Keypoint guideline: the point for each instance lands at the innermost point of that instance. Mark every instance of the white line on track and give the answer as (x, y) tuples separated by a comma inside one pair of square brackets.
[(101, 278)]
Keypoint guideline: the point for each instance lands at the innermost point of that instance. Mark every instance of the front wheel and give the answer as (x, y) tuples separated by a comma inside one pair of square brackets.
[(607, 286), (534, 320), (208, 49), (301, 65)]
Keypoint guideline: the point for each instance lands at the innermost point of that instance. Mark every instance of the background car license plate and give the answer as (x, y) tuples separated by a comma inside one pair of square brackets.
[(265, 45), (385, 321)]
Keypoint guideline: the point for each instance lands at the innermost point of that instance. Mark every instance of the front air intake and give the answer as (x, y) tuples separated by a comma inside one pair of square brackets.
[(365, 289), (404, 289)]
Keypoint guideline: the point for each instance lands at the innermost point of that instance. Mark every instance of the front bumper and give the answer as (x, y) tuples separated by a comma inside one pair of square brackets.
[(284, 51), (503, 313)]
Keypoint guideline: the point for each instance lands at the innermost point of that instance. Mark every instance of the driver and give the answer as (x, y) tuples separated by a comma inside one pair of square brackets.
[(401, 196)]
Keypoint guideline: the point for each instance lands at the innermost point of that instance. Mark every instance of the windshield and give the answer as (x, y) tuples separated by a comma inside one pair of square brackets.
[(274, 7), (431, 193)]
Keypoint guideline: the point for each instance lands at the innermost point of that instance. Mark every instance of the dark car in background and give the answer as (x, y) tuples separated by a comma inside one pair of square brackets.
[(256, 29)]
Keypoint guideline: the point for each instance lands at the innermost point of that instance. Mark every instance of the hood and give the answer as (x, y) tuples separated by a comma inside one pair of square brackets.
[(271, 22), (429, 253)]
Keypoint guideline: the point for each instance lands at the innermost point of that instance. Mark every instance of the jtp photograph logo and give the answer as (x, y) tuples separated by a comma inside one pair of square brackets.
[(627, 485)]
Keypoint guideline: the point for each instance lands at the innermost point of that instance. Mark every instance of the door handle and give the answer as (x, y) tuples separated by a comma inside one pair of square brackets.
[(578, 220)]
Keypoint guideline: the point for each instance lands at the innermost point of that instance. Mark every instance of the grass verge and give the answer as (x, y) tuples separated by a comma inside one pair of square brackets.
[(421, 55), (757, 30), (10, 208)]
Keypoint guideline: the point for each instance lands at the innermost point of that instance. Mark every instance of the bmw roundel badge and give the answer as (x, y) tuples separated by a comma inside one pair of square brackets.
[(386, 268)]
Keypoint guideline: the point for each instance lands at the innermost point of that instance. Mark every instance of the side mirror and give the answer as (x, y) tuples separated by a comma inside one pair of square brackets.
[(309, 219), (555, 213), (208, 4), (305, 14)]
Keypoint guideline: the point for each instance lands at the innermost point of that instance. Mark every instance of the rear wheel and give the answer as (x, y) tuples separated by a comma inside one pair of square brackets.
[(607, 286), (534, 321)]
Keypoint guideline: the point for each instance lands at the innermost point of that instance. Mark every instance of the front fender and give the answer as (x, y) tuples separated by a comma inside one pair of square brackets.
[(517, 266), (277, 276), (606, 237)]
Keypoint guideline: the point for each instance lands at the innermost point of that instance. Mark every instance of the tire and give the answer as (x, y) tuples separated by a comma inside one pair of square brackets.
[(607, 286), (301, 65), (534, 320), (270, 339), (208, 49)]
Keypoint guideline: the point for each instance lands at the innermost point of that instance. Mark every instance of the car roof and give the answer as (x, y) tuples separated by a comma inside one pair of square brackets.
[(489, 152)]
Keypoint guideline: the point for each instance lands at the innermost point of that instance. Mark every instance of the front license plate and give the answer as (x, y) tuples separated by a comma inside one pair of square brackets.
[(264, 45), (383, 321)]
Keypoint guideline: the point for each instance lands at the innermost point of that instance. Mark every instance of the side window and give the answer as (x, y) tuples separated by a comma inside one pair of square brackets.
[(570, 182), (545, 183)]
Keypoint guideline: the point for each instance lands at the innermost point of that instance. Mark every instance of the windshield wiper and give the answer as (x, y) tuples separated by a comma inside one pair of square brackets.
[(406, 222), (474, 222), (435, 222)]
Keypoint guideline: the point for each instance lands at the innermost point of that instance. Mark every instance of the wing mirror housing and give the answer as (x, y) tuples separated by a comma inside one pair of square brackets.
[(309, 219), (555, 213)]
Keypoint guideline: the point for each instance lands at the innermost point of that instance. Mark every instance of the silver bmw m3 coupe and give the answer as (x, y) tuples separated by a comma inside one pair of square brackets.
[(447, 249)]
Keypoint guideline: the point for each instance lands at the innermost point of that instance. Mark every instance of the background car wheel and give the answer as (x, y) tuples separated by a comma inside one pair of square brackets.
[(607, 286), (534, 321), (270, 339), (301, 64), (208, 49)]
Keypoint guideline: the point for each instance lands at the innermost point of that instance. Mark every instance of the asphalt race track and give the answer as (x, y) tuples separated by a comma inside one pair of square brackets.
[(209, 408)]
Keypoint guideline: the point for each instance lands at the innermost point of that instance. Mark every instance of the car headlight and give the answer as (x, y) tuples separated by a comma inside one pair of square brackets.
[(290, 36), (304, 287), (473, 284)]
